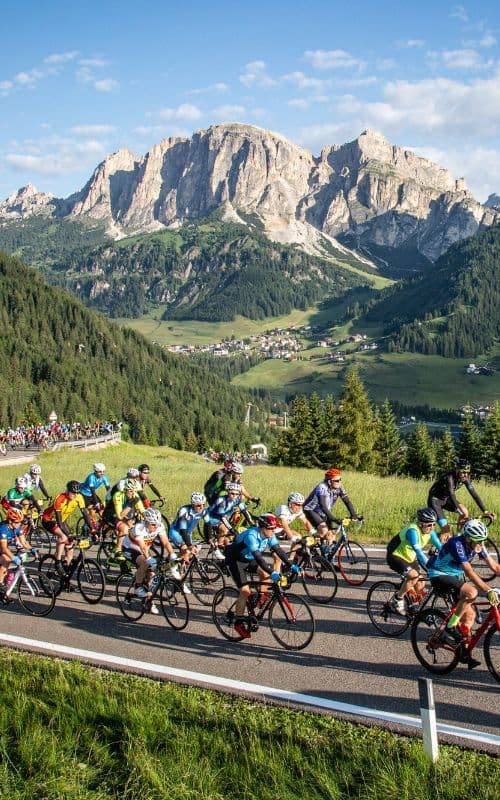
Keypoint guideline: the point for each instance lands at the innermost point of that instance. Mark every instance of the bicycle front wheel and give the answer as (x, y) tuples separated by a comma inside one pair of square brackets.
[(319, 579), (224, 613), (47, 568), (291, 621), (111, 568), (205, 579), (91, 581), (174, 604), (382, 614), (35, 593), (353, 563), (40, 539), (492, 651), (481, 567), (131, 606), (433, 655)]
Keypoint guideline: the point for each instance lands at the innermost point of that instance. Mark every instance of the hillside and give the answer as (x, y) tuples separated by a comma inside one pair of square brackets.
[(56, 354)]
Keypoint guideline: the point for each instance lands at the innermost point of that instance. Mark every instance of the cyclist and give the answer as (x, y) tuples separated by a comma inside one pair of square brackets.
[(451, 571), (93, 481), (145, 480), (122, 508), (287, 513), (21, 496), (221, 511), (136, 548), (318, 504), (405, 552), (442, 495), (231, 473), (54, 520), (186, 520), (244, 558), (11, 536), (34, 480)]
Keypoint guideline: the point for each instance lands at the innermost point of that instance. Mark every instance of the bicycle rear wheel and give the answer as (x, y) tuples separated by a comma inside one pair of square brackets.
[(319, 579), (35, 593), (91, 581), (481, 567), (205, 579), (174, 604), (223, 613), (492, 651), (131, 606), (39, 538), (438, 658), (382, 614), (353, 562), (47, 568), (291, 621)]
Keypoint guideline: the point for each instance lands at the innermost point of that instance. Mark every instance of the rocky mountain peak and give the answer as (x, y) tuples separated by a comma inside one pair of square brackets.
[(493, 201), (25, 202)]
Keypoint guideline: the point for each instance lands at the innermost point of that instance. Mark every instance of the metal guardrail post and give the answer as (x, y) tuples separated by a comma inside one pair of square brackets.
[(428, 717)]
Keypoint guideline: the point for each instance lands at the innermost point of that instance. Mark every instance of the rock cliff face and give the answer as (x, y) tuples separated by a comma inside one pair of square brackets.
[(376, 197)]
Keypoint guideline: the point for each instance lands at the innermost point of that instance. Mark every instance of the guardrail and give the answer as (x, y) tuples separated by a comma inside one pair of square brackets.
[(87, 444)]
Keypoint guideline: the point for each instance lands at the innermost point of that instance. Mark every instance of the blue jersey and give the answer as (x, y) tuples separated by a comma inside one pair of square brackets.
[(224, 506), (8, 534), (187, 519), (451, 558), (250, 541), (92, 483), (322, 490)]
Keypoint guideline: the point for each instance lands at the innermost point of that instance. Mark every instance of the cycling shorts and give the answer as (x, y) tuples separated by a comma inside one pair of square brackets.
[(176, 538), (396, 563), (243, 572), (131, 555), (50, 525), (448, 584)]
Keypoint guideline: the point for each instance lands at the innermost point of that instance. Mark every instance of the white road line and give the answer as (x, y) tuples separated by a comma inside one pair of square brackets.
[(146, 668)]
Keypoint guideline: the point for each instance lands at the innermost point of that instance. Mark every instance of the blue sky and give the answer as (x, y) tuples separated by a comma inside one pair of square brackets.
[(80, 80)]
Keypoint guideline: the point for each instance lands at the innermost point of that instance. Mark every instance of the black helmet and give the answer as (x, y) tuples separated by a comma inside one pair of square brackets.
[(426, 515), (143, 467), (462, 465), (73, 486)]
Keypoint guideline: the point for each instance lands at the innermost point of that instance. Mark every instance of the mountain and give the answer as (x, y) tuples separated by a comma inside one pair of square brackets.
[(493, 201), (394, 207), (57, 354)]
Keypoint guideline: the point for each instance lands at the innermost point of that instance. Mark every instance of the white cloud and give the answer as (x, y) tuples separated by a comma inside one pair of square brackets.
[(302, 81), (412, 43), (255, 74), (5, 88), (214, 87), (479, 165), (93, 62), (229, 112), (29, 78), (54, 155), (61, 58), (187, 112), (488, 40), (299, 103), (459, 12), (92, 130), (463, 59), (333, 59), (106, 85)]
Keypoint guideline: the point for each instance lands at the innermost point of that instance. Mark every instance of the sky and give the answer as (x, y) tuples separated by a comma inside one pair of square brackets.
[(79, 80)]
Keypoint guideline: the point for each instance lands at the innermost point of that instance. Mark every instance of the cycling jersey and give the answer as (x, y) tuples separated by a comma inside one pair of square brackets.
[(15, 497), (64, 505), (215, 484), (92, 483), (140, 533), (185, 522), (9, 534), (35, 483), (322, 498), (284, 512), (249, 542), (451, 558), (224, 506), (412, 542), (444, 490)]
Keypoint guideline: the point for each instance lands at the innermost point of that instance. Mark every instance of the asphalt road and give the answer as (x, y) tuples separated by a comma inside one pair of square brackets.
[(347, 661)]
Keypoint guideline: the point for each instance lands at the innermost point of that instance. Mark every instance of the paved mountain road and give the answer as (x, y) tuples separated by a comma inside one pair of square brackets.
[(347, 660)]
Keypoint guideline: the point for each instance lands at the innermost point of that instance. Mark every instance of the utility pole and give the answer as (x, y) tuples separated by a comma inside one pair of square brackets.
[(285, 415), (247, 415)]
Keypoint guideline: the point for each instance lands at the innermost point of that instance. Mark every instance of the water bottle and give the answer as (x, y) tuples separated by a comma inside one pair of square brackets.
[(153, 583)]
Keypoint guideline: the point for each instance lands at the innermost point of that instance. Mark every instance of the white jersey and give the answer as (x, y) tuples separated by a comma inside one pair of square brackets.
[(284, 512), (140, 533)]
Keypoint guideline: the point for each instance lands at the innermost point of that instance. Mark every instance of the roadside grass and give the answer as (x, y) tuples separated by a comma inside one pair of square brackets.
[(73, 732), (387, 503)]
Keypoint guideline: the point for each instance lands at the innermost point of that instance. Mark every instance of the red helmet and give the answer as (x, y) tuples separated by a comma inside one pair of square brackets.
[(332, 473), (267, 521), (15, 514)]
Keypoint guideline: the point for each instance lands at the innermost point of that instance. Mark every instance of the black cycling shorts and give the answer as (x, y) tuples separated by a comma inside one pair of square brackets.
[(396, 563), (242, 572), (448, 584)]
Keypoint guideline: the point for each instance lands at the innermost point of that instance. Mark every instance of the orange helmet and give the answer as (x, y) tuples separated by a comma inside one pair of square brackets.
[(332, 473), (15, 514)]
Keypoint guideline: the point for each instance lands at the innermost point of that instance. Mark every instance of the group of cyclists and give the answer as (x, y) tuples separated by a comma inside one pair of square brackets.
[(240, 539)]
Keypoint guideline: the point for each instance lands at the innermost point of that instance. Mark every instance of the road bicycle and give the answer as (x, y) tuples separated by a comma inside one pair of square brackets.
[(203, 576), (36, 535), (173, 601), (88, 574), (35, 591), (441, 658), (383, 615), (291, 620), (351, 557), (316, 572)]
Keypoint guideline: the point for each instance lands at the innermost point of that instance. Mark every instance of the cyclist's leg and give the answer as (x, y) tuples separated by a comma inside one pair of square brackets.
[(440, 509)]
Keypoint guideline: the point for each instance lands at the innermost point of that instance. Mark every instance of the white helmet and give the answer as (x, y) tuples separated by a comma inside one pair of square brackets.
[(198, 498), (21, 482), (152, 516), (233, 487), (36, 469), (132, 486), (296, 497), (132, 472), (237, 468), (475, 530), (99, 467)]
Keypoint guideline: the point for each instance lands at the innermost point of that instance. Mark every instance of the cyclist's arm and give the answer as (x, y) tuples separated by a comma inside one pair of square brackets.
[(472, 575), (275, 548), (475, 496), (451, 493), (61, 524), (155, 491), (323, 504), (413, 539), (346, 501), (43, 490)]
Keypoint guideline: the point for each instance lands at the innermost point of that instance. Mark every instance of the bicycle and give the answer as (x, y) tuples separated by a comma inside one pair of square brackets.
[(317, 573), (89, 575), (204, 576), (173, 601), (34, 591), (352, 560), (291, 620), (36, 535), (441, 658), (383, 615)]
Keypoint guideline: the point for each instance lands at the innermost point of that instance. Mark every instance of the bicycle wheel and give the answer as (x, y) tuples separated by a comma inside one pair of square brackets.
[(353, 562), (47, 568), (205, 579), (434, 656), (35, 593), (131, 606), (40, 539), (492, 651), (380, 610), (91, 581), (174, 604), (291, 621), (319, 579), (111, 568), (481, 567), (223, 613)]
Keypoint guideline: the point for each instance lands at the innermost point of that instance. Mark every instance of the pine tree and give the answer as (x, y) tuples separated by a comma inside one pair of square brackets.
[(445, 454), (469, 443), (419, 453), (329, 451), (355, 428), (490, 441), (317, 419), (300, 434), (388, 446)]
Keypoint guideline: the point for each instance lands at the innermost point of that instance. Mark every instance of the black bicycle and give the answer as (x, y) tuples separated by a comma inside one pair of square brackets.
[(203, 576), (173, 601), (383, 614), (317, 573), (88, 574), (351, 557)]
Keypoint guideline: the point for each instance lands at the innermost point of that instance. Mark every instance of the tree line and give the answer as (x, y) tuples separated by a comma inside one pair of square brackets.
[(353, 434)]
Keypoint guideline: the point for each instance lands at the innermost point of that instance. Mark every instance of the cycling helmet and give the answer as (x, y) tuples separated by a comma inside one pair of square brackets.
[(475, 530), (228, 464), (132, 472), (99, 467), (15, 514), (237, 468), (36, 469), (143, 467), (332, 473), (152, 516), (198, 498), (426, 515), (73, 486), (233, 487), (21, 482), (267, 521), (462, 465), (296, 497), (131, 486)]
